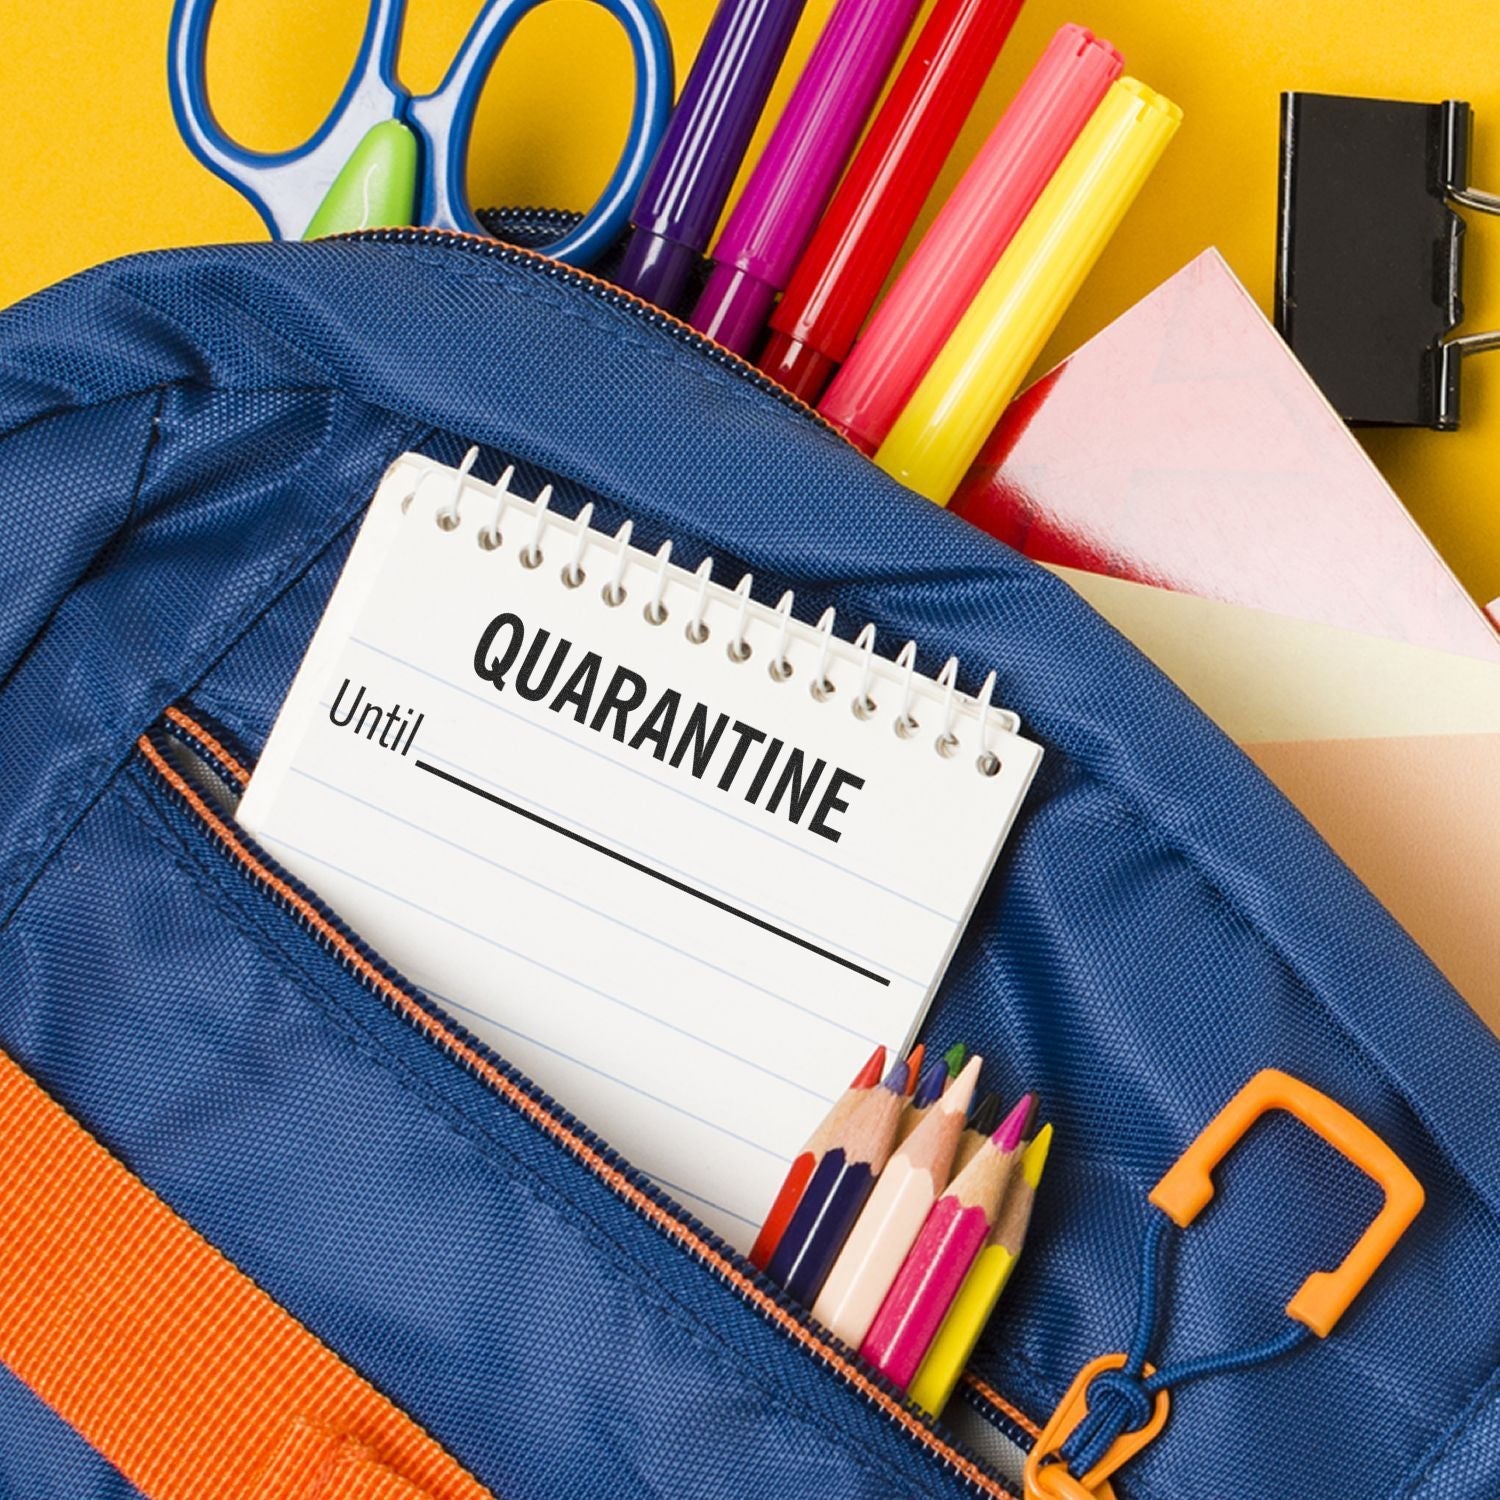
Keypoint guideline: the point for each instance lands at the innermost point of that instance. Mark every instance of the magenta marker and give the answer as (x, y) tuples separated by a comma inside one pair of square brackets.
[(792, 182)]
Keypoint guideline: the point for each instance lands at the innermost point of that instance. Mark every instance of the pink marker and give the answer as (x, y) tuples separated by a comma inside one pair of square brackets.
[(955, 1232), (968, 236), (795, 176)]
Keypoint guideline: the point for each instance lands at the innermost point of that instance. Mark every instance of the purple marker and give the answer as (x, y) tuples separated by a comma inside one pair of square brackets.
[(709, 133), (791, 183)]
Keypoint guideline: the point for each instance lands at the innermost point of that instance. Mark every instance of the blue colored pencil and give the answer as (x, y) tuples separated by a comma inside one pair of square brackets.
[(838, 1190), (928, 1091)]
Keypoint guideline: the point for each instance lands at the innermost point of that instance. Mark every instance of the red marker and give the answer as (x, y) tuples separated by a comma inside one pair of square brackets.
[(845, 265), (968, 236)]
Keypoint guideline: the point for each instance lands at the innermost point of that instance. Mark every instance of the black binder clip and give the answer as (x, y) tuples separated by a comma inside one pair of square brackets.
[(1369, 253)]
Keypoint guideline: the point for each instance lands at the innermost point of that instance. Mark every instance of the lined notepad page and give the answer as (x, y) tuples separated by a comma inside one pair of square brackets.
[(682, 892)]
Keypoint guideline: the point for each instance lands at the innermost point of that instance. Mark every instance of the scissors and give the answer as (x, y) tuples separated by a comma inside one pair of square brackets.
[(385, 156)]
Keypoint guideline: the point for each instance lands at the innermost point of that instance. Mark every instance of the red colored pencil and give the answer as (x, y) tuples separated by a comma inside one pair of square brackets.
[(806, 1161)]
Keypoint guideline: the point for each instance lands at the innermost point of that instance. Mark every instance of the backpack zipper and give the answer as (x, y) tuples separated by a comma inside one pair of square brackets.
[(625, 1181), (643, 1195), (556, 220)]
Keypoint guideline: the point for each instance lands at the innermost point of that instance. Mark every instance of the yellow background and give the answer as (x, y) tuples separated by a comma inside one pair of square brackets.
[(94, 166)]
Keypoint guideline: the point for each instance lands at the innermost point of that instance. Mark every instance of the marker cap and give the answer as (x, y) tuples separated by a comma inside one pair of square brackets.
[(943, 426), (969, 235), (657, 268), (732, 310), (801, 368)]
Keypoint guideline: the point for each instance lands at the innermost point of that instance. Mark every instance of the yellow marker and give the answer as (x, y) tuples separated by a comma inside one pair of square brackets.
[(977, 1297), (942, 428)]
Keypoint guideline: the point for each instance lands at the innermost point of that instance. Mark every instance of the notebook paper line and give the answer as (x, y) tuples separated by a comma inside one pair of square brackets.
[(749, 1062), (707, 885), (572, 900), (645, 869), (756, 828)]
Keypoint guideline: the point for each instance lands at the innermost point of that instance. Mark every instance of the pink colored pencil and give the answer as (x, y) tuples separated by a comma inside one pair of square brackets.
[(953, 1235), (890, 1222)]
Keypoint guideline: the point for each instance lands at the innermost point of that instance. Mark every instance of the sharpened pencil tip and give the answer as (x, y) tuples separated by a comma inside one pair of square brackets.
[(1034, 1157), (895, 1080), (914, 1065), (986, 1114), (1008, 1136), (930, 1086), (954, 1058), (869, 1075), (961, 1091)]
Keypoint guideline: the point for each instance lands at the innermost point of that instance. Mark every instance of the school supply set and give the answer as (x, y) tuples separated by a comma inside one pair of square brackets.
[(899, 1225), (798, 267), (924, 383), (344, 1200), (586, 769)]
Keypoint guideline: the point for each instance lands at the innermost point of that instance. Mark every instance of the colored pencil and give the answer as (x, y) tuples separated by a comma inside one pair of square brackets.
[(894, 1216), (928, 1091), (838, 1189), (950, 1240), (955, 1057), (799, 1174), (914, 1060), (981, 1127), (983, 1285)]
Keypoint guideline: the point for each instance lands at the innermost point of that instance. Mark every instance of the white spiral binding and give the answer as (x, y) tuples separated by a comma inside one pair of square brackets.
[(900, 675)]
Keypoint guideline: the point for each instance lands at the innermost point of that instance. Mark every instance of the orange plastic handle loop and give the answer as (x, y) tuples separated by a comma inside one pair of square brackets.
[(1322, 1299), (1047, 1477)]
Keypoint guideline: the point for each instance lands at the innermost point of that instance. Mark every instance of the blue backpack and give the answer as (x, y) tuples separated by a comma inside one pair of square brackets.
[(189, 439)]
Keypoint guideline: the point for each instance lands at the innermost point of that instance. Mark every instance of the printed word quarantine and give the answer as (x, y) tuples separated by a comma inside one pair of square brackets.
[(736, 758)]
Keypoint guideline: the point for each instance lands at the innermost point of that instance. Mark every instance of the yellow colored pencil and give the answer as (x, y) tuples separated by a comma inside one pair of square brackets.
[(982, 1287), (942, 428)]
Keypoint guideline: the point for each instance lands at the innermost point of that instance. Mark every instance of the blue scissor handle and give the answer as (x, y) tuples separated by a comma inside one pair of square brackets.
[(288, 186), (285, 186), (444, 120)]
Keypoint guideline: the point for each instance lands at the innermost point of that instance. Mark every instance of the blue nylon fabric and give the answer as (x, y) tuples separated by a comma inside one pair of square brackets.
[(186, 441), (29, 1429)]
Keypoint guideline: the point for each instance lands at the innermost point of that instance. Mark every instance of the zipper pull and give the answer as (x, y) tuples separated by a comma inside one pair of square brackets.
[(1129, 1396), (1046, 1474)]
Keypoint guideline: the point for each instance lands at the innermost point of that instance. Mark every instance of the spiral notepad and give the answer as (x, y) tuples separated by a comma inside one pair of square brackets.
[(681, 857)]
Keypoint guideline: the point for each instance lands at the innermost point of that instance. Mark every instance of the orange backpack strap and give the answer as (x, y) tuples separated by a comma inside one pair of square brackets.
[(172, 1363)]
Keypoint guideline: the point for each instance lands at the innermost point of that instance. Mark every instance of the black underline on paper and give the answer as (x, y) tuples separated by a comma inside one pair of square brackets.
[(644, 869)]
